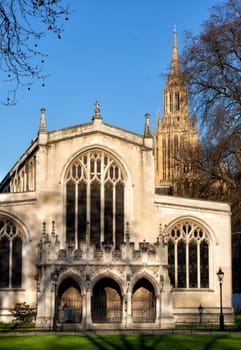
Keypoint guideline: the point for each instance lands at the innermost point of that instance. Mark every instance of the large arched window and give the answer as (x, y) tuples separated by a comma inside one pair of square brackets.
[(188, 255), (95, 195), (11, 241)]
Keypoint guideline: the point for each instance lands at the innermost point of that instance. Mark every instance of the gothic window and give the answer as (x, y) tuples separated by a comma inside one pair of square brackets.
[(31, 175), (169, 158), (95, 189), (170, 102), (164, 159), (175, 146), (24, 179), (188, 255), (177, 101), (11, 242)]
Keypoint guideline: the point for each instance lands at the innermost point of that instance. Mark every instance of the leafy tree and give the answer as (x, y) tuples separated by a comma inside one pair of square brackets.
[(23, 23), (212, 69)]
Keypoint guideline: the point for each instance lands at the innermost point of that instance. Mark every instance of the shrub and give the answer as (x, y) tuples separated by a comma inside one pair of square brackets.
[(23, 312)]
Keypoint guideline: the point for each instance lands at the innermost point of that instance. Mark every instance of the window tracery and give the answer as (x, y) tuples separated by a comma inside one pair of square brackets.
[(188, 255), (95, 187)]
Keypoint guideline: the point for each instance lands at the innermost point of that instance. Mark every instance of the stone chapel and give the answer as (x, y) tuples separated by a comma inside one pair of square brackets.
[(89, 237)]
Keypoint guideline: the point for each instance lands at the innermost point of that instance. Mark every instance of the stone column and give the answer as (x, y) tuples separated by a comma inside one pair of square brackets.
[(128, 314), (88, 309)]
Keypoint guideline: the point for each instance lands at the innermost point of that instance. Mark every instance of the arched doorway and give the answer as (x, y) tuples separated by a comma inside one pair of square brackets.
[(106, 302), (70, 302), (143, 302)]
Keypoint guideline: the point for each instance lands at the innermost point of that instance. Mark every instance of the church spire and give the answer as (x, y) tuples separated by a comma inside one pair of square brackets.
[(175, 130), (175, 65)]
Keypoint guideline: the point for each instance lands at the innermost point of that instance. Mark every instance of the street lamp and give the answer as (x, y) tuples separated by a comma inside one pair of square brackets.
[(200, 310), (54, 278), (220, 275), (37, 279)]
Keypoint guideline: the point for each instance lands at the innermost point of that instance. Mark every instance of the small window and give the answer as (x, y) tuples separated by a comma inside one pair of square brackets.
[(177, 102)]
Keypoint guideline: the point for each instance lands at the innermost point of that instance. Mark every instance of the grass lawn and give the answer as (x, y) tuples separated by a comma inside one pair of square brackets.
[(123, 342)]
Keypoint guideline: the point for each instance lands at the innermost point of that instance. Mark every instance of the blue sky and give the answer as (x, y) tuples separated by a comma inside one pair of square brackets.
[(113, 51)]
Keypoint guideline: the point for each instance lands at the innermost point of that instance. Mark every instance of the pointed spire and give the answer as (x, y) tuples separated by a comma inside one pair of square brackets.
[(147, 131), (42, 127), (175, 65)]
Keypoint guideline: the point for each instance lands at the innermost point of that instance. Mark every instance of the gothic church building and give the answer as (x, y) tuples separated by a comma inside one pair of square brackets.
[(89, 237)]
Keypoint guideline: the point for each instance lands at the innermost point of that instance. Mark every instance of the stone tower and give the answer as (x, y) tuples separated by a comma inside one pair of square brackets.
[(176, 132)]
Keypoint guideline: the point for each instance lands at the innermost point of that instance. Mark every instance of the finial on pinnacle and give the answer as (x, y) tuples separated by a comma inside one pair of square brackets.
[(147, 131), (42, 127), (97, 111)]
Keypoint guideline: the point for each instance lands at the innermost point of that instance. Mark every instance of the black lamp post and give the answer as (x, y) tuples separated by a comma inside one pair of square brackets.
[(220, 275), (200, 310), (54, 278)]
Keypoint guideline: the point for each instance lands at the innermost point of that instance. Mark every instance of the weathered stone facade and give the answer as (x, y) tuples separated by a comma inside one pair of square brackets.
[(85, 237)]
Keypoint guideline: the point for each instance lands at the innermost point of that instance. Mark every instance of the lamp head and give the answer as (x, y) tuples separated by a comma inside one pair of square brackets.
[(200, 309), (220, 275)]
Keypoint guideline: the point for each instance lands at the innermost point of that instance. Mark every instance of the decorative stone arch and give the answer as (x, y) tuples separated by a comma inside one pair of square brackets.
[(69, 273), (143, 298), (209, 230), (70, 294), (14, 245), (189, 253), (111, 275), (95, 186), (18, 221), (144, 275), (107, 299), (115, 155)]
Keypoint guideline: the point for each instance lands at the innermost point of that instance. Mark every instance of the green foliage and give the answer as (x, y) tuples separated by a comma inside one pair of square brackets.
[(238, 321), (23, 312)]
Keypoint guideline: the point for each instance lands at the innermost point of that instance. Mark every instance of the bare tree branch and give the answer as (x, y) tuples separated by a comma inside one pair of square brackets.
[(212, 68), (23, 23)]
